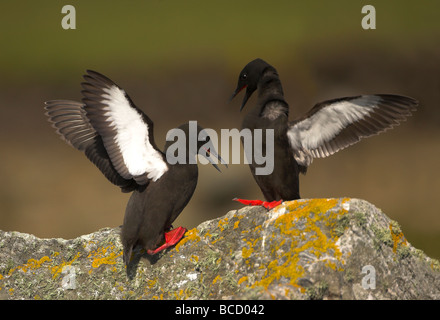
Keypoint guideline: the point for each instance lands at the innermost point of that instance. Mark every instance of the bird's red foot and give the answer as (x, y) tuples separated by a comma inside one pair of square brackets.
[(171, 238), (266, 204)]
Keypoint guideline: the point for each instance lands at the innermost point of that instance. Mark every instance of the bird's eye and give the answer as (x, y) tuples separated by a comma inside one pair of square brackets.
[(244, 76)]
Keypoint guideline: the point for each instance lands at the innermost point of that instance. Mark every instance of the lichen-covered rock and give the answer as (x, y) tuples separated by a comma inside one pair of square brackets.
[(305, 249)]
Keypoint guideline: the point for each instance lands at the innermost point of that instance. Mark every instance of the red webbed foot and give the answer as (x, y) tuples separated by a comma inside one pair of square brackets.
[(272, 204), (266, 204), (171, 238)]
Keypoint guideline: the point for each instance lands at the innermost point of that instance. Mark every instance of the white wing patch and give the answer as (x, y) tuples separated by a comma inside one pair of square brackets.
[(132, 137)]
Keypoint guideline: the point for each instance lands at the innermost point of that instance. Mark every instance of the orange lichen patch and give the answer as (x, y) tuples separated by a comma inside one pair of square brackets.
[(246, 252), (242, 279), (104, 255), (236, 224), (151, 283), (31, 264), (56, 270), (159, 297), (214, 241), (289, 269), (331, 265), (222, 223), (313, 214), (190, 235), (218, 278), (182, 294), (251, 243), (398, 237)]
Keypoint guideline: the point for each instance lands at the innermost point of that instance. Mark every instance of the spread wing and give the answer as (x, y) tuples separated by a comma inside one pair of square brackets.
[(333, 125), (111, 130), (127, 133), (71, 123)]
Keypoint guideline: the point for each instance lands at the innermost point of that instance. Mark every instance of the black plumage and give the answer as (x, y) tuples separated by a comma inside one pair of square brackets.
[(118, 138), (328, 127)]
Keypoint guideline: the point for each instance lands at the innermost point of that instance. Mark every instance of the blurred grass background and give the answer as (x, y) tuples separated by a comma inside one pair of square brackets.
[(179, 61)]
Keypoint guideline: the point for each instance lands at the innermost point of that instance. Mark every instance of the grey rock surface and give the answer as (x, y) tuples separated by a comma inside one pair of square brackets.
[(305, 249)]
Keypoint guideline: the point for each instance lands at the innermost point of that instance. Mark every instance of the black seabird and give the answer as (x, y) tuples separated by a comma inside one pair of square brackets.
[(118, 138), (328, 127)]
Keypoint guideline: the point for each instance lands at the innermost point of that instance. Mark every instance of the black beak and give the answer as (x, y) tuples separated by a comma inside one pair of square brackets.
[(246, 96), (210, 152)]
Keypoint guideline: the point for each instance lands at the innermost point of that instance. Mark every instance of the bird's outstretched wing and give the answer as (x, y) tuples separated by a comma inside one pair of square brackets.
[(114, 134), (71, 123), (127, 132), (333, 125)]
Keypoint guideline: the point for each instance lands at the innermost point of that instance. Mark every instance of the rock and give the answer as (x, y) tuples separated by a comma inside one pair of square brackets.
[(305, 249)]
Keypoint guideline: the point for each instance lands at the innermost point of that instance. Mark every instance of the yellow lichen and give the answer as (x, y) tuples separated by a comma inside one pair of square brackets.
[(236, 224), (214, 241), (242, 279), (104, 255), (311, 213), (31, 264), (151, 283), (331, 264), (397, 236), (222, 223), (241, 216), (56, 270), (159, 297), (180, 295), (246, 252), (218, 278), (190, 235)]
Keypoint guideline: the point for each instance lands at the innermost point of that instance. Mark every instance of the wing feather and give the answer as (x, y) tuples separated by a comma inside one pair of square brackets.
[(333, 125), (71, 123), (126, 131)]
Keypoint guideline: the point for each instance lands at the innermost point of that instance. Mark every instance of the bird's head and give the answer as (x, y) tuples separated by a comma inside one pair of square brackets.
[(249, 78)]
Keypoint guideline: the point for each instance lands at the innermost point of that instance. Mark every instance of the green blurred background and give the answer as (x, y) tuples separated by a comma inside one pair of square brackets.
[(179, 61)]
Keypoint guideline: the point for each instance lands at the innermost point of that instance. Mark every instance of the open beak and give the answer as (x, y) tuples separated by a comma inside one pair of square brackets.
[(237, 91), (246, 96), (210, 153)]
